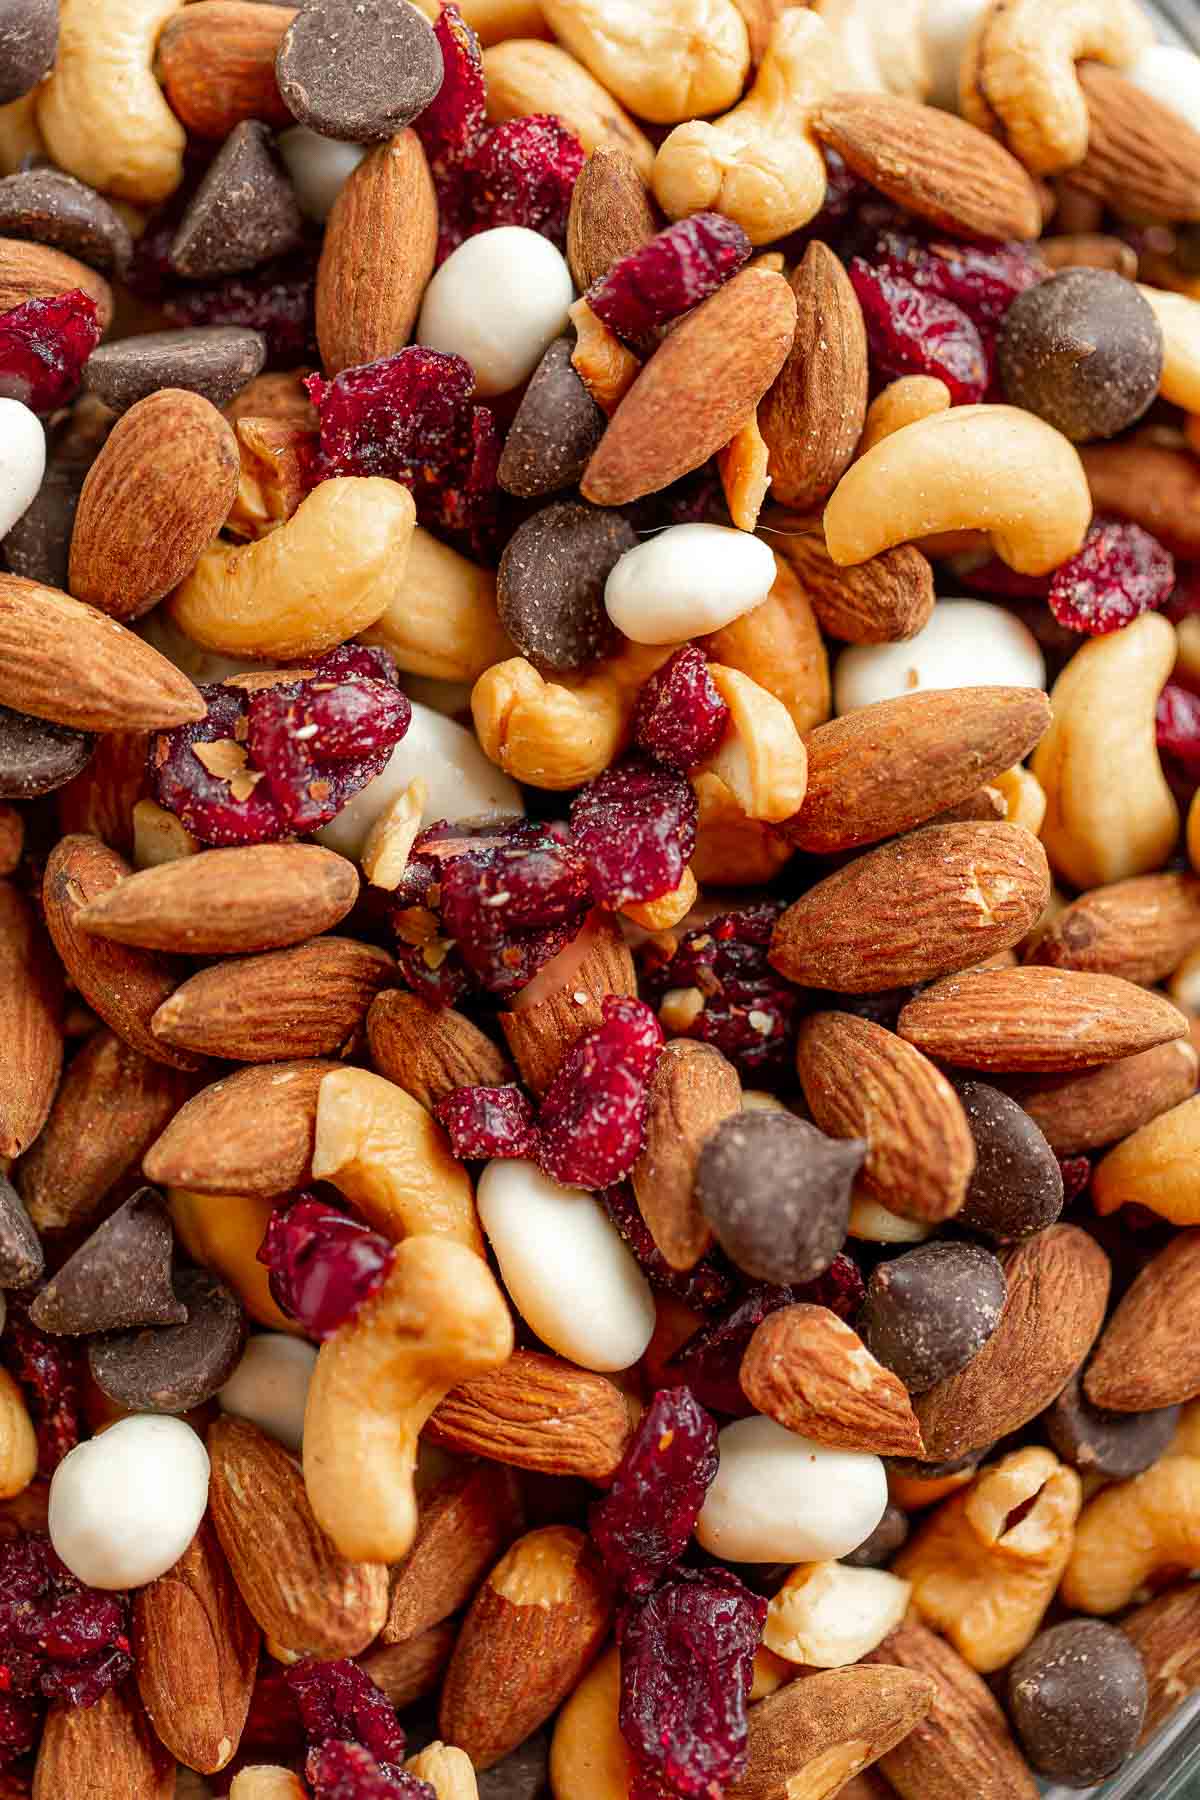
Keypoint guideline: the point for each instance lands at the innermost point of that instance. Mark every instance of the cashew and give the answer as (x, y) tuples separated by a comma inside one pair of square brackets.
[(326, 575), (1131, 1530), (877, 1224), (266, 1781), (1179, 317), (828, 1614), (985, 1585), (1019, 69), (742, 466), (902, 403), (771, 1672), (668, 910), (525, 75), (391, 838), (101, 111), (607, 367), (448, 1771), (223, 1232), (494, 20), (1024, 797), (441, 617), (732, 850), (881, 44), (588, 1757), (993, 468), (778, 644), (761, 759), (664, 59), (760, 164), (1157, 1167), (389, 1157), (1109, 811), (158, 836), (18, 1445), (437, 1319), (272, 481)]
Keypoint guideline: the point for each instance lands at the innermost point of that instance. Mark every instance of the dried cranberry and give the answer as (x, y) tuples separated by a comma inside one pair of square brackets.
[(273, 1722), (488, 1121), (44, 344), (19, 1722), (83, 1683), (643, 1523), (593, 1117), (1076, 1174), (323, 1264), (911, 332), (50, 1371), (687, 1662), (676, 270), (1185, 599), (680, 717), (982, 279), (706, 1286), (276, 299), (748, 1011), (59, 1640), (339, 1701), (345, 1771), (453, 122), (635, 827), (1120, 573), (524, 173), (1177, 722), (995, 577)]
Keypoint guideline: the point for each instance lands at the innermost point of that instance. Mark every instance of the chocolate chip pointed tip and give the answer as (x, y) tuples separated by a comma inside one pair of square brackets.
[(118, 1278), (173, 1368), (21, 1258)]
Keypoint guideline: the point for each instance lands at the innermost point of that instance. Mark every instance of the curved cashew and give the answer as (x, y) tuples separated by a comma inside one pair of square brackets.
[(993, 468), (881, 44), (441, 617), (389, 1157), (223, 1232), (1130, 1530), (760, 164), (982, 1584), (101, 111), (526, 75), (330, 572), (664, 59), (1179, 317), (828, 1614), (668, 910), (18, 1445), (1157, 1167), (1109, 811), (1019, 69), (761, 759), (1024, 797), (778, 644), (588, 1757), (900, 403), (732, 850), (437, 1319)]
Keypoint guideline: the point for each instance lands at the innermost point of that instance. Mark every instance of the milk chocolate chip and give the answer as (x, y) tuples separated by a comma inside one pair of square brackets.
[(1017, 1187), (358, 69), (243, 213), (172, 1368), (21, 1260), (37, 757), (776, 1192), (1083, 351), (556, 428), (52, 208), (889, 1535), (550, 588), (928, 1312), (1106, 1443), (214, 360), (1078, 1699), (28, 41), (120, 1277)]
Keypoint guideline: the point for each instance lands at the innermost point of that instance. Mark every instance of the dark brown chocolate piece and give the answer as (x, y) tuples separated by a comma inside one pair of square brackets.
[(776, 1192), (550, 588), (928, 1312), (214, 360), (1017, 1186), (36, 757), (243, 213), (173, 1368), (556, 428), (1106, 1443), (1084, 351), (1078, 1698), (21, 1259), (358, 69), (50, 207), (118, 1278)]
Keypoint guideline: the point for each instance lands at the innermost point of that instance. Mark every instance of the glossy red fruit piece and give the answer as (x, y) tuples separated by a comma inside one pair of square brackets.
[(453, 122), (677, 269), (278, 299), (749, 1012), (345, 1771), (1120, 573), (339, 1701), (983, 279), (1076, 1174), (593, 1117), (49, 1370), (635, 827), (680, 717), (1177, 726), (524, 173), (706, 1286), (322, 1264), (44, 344), (59, 1639), (643, 1523), (488, 1121), (912, 332)]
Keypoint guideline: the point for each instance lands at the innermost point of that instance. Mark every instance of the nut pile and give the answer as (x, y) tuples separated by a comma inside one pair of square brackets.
[(599, 898)]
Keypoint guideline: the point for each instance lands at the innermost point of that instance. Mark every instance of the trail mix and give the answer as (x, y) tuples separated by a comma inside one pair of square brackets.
[(599, 898)]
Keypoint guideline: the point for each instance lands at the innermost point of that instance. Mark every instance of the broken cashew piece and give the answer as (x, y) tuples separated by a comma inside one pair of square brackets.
[(441, 618), (732, 850), (828, 1614), (996, 469), (1130, 1530), (760, 164), (1179, 317), (664, 59), (761, 759), (448, 1770), (437, 1319), (902, 402)]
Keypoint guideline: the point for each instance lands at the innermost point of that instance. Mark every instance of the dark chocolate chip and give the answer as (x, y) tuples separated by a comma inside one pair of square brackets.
[(776, 1192), (244, 212), (556, 428), (523, 1775), (172, 1368), (889, 1535), (21, 1259), (1083, 351), (118, 1278), (39, 545), (550, 587), (358, 69), (1106, 1443), (214, 360), (37, 757), (52, 208), (1077, 1697), (28, 42), (913, 1469), (1017, 1187), (928, 1312)]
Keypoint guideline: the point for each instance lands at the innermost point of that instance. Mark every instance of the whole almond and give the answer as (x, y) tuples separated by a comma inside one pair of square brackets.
[(812, 414), (812, 1374), (1148, 1355), (1140, 929), (611, 215), (31, 1004), (702, 383), (430, 1051), (881, 601), (412, 1670), (537, 1412), (1099, 1106), (378, 254), (1143, 159), (552, 1012), (1152, 485), (251, 1133), (806, 1741), (159, 491), (692, 1089), (463, 1524), (31, 271), (99, 802), (1166, 1631), (97, 1752), (216, 60)]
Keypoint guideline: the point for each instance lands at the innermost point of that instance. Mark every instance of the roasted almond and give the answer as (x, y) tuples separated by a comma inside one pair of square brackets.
[(552, 1012), (812, 1374), (1143, 158), (99, 802), (377, 256), (1098, 1106), (96, 1752), (252, 1133), (216, 60), (537, 1412), (429, 1051), (412, 1670), (31, 1004), (463, 1524), (692, 1089), (881, 601), (1166, 1631), (611, 215), (806, 1741), (1140, 929), (1148, 1355), (31, 271), (812, 414)]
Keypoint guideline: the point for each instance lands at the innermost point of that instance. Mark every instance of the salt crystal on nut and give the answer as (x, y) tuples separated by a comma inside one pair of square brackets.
[(270, 1385), (500, 300), (125, 1505), (779, 1497), (687, 581)]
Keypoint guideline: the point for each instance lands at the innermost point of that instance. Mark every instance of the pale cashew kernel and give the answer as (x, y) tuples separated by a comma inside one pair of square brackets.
[(881, 44), (666, 60), (1109, 811), (159, 837), (526, 75), (223, 1232), (761, 759), (437, 1319), (1024, 797), (771, 1672), (986, 1585), (494, 20), (902, 402), (760, 164), (1179, 317), (877, 1224), (742, 466), (778, 644), (18, 1444), (668, 910), (588, 1757), (997, 469), (448, 1770), (1132, 1529), (326, 575), (101, 111), (441, 617), (732, 850), (828, 1614), (391, 838), (390, 1158), (1155, 1167), (607, 367), (264, 1781)]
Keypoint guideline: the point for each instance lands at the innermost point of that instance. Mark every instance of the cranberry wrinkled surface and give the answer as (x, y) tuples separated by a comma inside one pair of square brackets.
[(982, 279), (1120, 573), (749, 1012), (277, 299), (455, 119), (322, 1264), (706, 1286), (524, 173), (49, 1370), (593, 1117), (488, 1121), (911, 331), (676, 270), (1076, 1174), (59, 1640), (44, 344), (345, 1771), (635, 826), (1177, 724), (680, 717), (338, 1700), (643, 1523)]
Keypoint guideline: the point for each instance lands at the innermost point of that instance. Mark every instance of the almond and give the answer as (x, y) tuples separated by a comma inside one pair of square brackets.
[(251, 1133), (1037, 1019), (1140, 929), (96, 1752), (305, 1595), (532, 1629), (885, 768), (552, 1012), (463, 1524), (812, 415), (31, 271), (378, 255), (812, 1374), (430, 1051), (221, 902), (309, 1001), (195, 1648), (99, 802), (412, 1670), (611, 215), (1143, 159), (1057, 1291), (64, 661), (806, 1741), (933, 164), (940, 899), (862, 1081), (31, 1004), (216, 60), (1099, 1106), (881, 601), (692, 1089), (537, 1412), (1167, 1633), (702, 383), (1150, 484), (1148, 1355), (159, 491)]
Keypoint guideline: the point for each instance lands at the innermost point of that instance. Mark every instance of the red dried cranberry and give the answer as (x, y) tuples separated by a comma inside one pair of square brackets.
[(706, 1286), (345, 1771), (524, 173), (50, 1371), (676, 270), (750, 1012), (58, 1638), (643, 1523), (911, 332), (19, 1723), (1120, 573), (635, 827), (1185, 598), (276, 299), (680, 717), (44, 344), (982, 279), (83, 1683), (273, 1722), (687, 1662), (594, 1114), (488, 1121), (453, 122), (995, 577), (338, 1700), (323, 1264), (1177, 723), (1076, 1174)]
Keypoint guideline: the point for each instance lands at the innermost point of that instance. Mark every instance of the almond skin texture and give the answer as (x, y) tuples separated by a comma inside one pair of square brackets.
[(885, 768), (611, 215), (1099, 1106), (1058, 1287), (564, 998), (36, 272), (216, 60), (812, 1374), (251, 1133), (1143, 160), (100, 800), (812, 415), (1140, 929), (881, 601), (692, 1089), (160, 489), (1149, 1356), (940, 899), (97, 1752), (806, 1741), (31, 1003), (862, 1081), (1037, 1019), (700, 386), (378, 253), (429, 1051), (537, 1412), (1167, 1633), (464, 1523)]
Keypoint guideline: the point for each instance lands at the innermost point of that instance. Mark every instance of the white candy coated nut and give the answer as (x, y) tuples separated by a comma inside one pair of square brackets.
[(566, 1267), (947, 26), (22, 461), (967, 643), (125, 1505), (1171, 75), (687, 581), (500, 300), (318, 167), (461, 783), (270, 1385), (779, 1497)]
